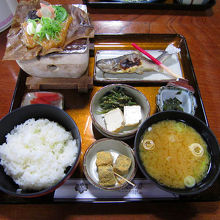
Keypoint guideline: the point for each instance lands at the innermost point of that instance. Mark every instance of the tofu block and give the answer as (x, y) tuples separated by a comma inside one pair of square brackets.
[(132, 115), (122, 164), (106, 175), (104, 158), (114, 120)]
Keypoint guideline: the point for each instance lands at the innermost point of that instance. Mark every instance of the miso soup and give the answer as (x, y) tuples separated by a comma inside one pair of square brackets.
[(174, 154)]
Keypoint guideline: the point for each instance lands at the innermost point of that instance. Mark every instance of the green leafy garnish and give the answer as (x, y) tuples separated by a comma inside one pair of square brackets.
[(46, 27), (50, 29), (172, 104), (116, 98), (61, 13)]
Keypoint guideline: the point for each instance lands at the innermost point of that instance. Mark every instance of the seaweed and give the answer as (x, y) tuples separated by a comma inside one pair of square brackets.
[(172, 104)]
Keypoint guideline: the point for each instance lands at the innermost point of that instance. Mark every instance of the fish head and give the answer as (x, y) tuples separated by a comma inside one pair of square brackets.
[(107, 65)]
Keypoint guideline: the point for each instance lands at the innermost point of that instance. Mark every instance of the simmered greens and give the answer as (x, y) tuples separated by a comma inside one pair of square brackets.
[(116, 98)]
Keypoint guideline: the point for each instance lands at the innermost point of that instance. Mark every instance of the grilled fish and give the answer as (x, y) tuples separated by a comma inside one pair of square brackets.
[(131, 63)]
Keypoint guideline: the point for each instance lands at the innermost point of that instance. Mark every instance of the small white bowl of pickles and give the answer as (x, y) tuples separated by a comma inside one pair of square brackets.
[(109, 164), (117, 110)]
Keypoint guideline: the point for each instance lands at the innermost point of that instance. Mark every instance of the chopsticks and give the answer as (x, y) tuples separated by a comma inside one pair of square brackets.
[(124, 179), (156, 61)]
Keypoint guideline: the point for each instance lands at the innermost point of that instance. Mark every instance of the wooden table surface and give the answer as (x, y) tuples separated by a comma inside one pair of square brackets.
[(201, 30)]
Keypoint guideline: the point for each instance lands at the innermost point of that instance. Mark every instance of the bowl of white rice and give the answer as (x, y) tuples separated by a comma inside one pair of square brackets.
[(40, 147)]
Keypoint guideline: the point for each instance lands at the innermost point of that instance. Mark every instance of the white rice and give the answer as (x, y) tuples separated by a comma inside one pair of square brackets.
[(36, 153)]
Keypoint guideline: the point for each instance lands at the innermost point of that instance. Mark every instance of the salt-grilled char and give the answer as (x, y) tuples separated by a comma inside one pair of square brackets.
[(130, 63)]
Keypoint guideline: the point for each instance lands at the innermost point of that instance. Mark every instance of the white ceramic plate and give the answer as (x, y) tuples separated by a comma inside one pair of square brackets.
[(172, 63)]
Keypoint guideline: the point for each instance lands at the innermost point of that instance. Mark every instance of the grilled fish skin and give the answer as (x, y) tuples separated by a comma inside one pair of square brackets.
[(131, 63)]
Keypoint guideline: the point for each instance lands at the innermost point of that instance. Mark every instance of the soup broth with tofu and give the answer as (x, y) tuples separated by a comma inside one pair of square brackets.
[(174, 154)]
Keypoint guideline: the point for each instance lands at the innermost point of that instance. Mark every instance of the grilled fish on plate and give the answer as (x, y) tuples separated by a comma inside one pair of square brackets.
[(131, 63)]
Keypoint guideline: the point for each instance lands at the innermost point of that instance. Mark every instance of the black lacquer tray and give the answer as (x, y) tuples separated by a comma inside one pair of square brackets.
[(73, 189)]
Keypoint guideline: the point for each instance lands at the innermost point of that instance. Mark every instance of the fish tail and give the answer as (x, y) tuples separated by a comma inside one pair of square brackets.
[(164, 56)]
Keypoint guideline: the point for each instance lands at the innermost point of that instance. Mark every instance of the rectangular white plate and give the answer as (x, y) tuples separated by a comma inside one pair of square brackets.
[(173, 63)]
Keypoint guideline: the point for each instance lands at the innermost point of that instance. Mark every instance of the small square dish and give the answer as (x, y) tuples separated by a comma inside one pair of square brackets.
[(176, 98)]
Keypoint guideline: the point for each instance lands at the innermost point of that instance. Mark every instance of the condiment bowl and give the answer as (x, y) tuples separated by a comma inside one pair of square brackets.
[(98, 119), (115, 147), (185, 98), (203, 130), (37, 111)]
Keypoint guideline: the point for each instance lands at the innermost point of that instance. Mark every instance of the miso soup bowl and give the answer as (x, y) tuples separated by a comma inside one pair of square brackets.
[(203, 130), (37, 111)]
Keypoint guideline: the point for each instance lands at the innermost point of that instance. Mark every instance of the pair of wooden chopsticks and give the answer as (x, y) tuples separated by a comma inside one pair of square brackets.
[(156, 61)]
